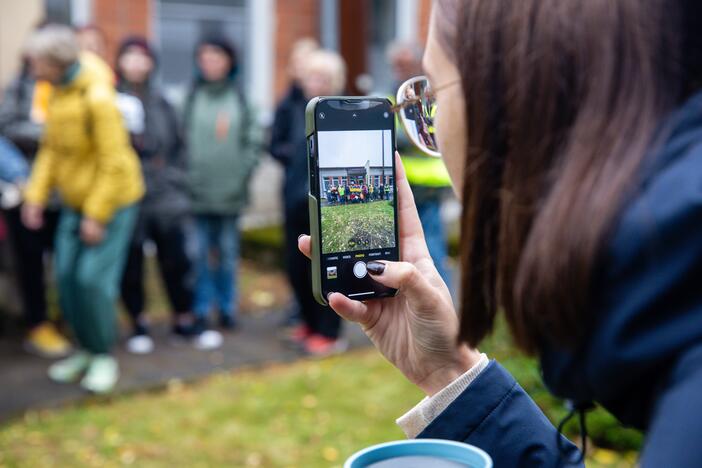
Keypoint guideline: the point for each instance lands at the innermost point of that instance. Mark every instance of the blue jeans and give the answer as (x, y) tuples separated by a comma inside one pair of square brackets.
[(429, 215), (216, 264)]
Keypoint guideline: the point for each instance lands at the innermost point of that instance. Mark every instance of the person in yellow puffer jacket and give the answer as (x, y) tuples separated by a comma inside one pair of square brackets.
[(85, 155)]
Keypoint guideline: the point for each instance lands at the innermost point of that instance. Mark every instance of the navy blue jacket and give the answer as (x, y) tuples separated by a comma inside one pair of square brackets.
[(643, 357)]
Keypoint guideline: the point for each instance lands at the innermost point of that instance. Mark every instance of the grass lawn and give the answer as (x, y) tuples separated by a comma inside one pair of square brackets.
[(308, 414), (357, 226)]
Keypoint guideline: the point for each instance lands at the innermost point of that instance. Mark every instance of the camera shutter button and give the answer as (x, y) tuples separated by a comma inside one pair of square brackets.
[(359, 270)]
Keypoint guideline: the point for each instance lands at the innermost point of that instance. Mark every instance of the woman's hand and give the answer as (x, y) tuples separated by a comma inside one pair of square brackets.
[(417, 329), (32, 216), (91, 232)]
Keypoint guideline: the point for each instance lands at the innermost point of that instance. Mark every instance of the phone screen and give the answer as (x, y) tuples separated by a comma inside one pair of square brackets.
[(357, 198)]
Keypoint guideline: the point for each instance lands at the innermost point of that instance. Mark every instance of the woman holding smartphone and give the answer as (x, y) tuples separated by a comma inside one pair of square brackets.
[(572, 132)]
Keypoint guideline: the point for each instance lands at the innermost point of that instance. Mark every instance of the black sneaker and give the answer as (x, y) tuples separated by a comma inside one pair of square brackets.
[(200, 325), (227, 322), (185, 332), (140, 327)]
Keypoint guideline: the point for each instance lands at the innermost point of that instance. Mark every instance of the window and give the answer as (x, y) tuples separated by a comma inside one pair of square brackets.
[(182, 23), (381, 32), (58, 11)]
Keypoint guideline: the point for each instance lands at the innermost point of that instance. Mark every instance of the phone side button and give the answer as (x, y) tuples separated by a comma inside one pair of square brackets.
[(360, 270)]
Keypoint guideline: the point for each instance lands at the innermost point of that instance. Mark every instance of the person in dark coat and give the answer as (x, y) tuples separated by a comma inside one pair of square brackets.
[(164, 212), (320, 330), (583, 226), (279, 132), (22, 115)]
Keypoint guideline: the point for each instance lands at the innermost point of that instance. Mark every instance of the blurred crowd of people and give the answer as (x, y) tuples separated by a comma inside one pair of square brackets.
[(95, 162), (342, 194)]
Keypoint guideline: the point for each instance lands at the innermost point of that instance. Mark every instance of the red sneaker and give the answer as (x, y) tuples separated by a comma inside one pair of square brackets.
[(320, 346), (299, 333)]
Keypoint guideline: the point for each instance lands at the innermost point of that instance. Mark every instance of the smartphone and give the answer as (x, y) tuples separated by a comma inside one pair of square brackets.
[(352, 197)]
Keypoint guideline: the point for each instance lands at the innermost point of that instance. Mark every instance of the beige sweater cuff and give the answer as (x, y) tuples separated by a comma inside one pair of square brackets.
[(418, 418)]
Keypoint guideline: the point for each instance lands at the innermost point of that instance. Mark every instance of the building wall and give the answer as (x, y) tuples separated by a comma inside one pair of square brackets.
[(17, 19), (423, 19), (119, 19), (295, 19), (352, 30)]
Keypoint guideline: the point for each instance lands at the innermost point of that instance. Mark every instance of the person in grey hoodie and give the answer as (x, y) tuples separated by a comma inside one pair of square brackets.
[(164, 215), (224, 143)]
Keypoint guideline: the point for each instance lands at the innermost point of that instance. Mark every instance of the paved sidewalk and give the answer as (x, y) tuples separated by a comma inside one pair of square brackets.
[(24, 384)]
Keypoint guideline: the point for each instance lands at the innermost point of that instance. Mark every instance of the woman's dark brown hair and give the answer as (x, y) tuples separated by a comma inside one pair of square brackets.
[(563, 102)]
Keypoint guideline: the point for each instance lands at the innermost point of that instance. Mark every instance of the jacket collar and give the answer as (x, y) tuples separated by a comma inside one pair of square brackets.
[(678, 132), (70, 74)]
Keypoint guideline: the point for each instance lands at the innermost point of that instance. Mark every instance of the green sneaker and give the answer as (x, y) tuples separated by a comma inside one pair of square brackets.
[(69, 369), (102, 374)]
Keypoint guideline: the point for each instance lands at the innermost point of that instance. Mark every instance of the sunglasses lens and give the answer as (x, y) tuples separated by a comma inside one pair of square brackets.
[(417, 105)]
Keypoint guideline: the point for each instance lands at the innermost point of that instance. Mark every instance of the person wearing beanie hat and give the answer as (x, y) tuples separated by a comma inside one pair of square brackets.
[(224, 144), (164, 214)]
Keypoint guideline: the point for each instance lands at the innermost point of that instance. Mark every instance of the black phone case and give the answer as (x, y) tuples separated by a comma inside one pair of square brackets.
[(313, 202)]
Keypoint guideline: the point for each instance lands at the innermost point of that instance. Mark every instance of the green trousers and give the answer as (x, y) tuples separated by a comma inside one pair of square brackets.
[(89, 276)]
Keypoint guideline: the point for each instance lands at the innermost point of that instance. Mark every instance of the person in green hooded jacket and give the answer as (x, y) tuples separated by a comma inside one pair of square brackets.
[(224, 144)]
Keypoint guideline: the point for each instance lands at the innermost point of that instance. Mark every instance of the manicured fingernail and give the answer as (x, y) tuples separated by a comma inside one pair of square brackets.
[(300, 237), (329, 295), (375, 268)]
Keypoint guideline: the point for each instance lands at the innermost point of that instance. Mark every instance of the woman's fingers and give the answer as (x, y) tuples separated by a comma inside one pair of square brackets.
[(304, 244), (353, 311), (411, 233), (406, 278)]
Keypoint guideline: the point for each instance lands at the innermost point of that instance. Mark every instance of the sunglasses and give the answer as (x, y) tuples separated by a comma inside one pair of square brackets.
[(416, 108)]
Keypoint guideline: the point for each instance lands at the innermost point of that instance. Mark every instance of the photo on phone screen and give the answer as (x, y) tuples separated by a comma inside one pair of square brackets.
[(356, 190)]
